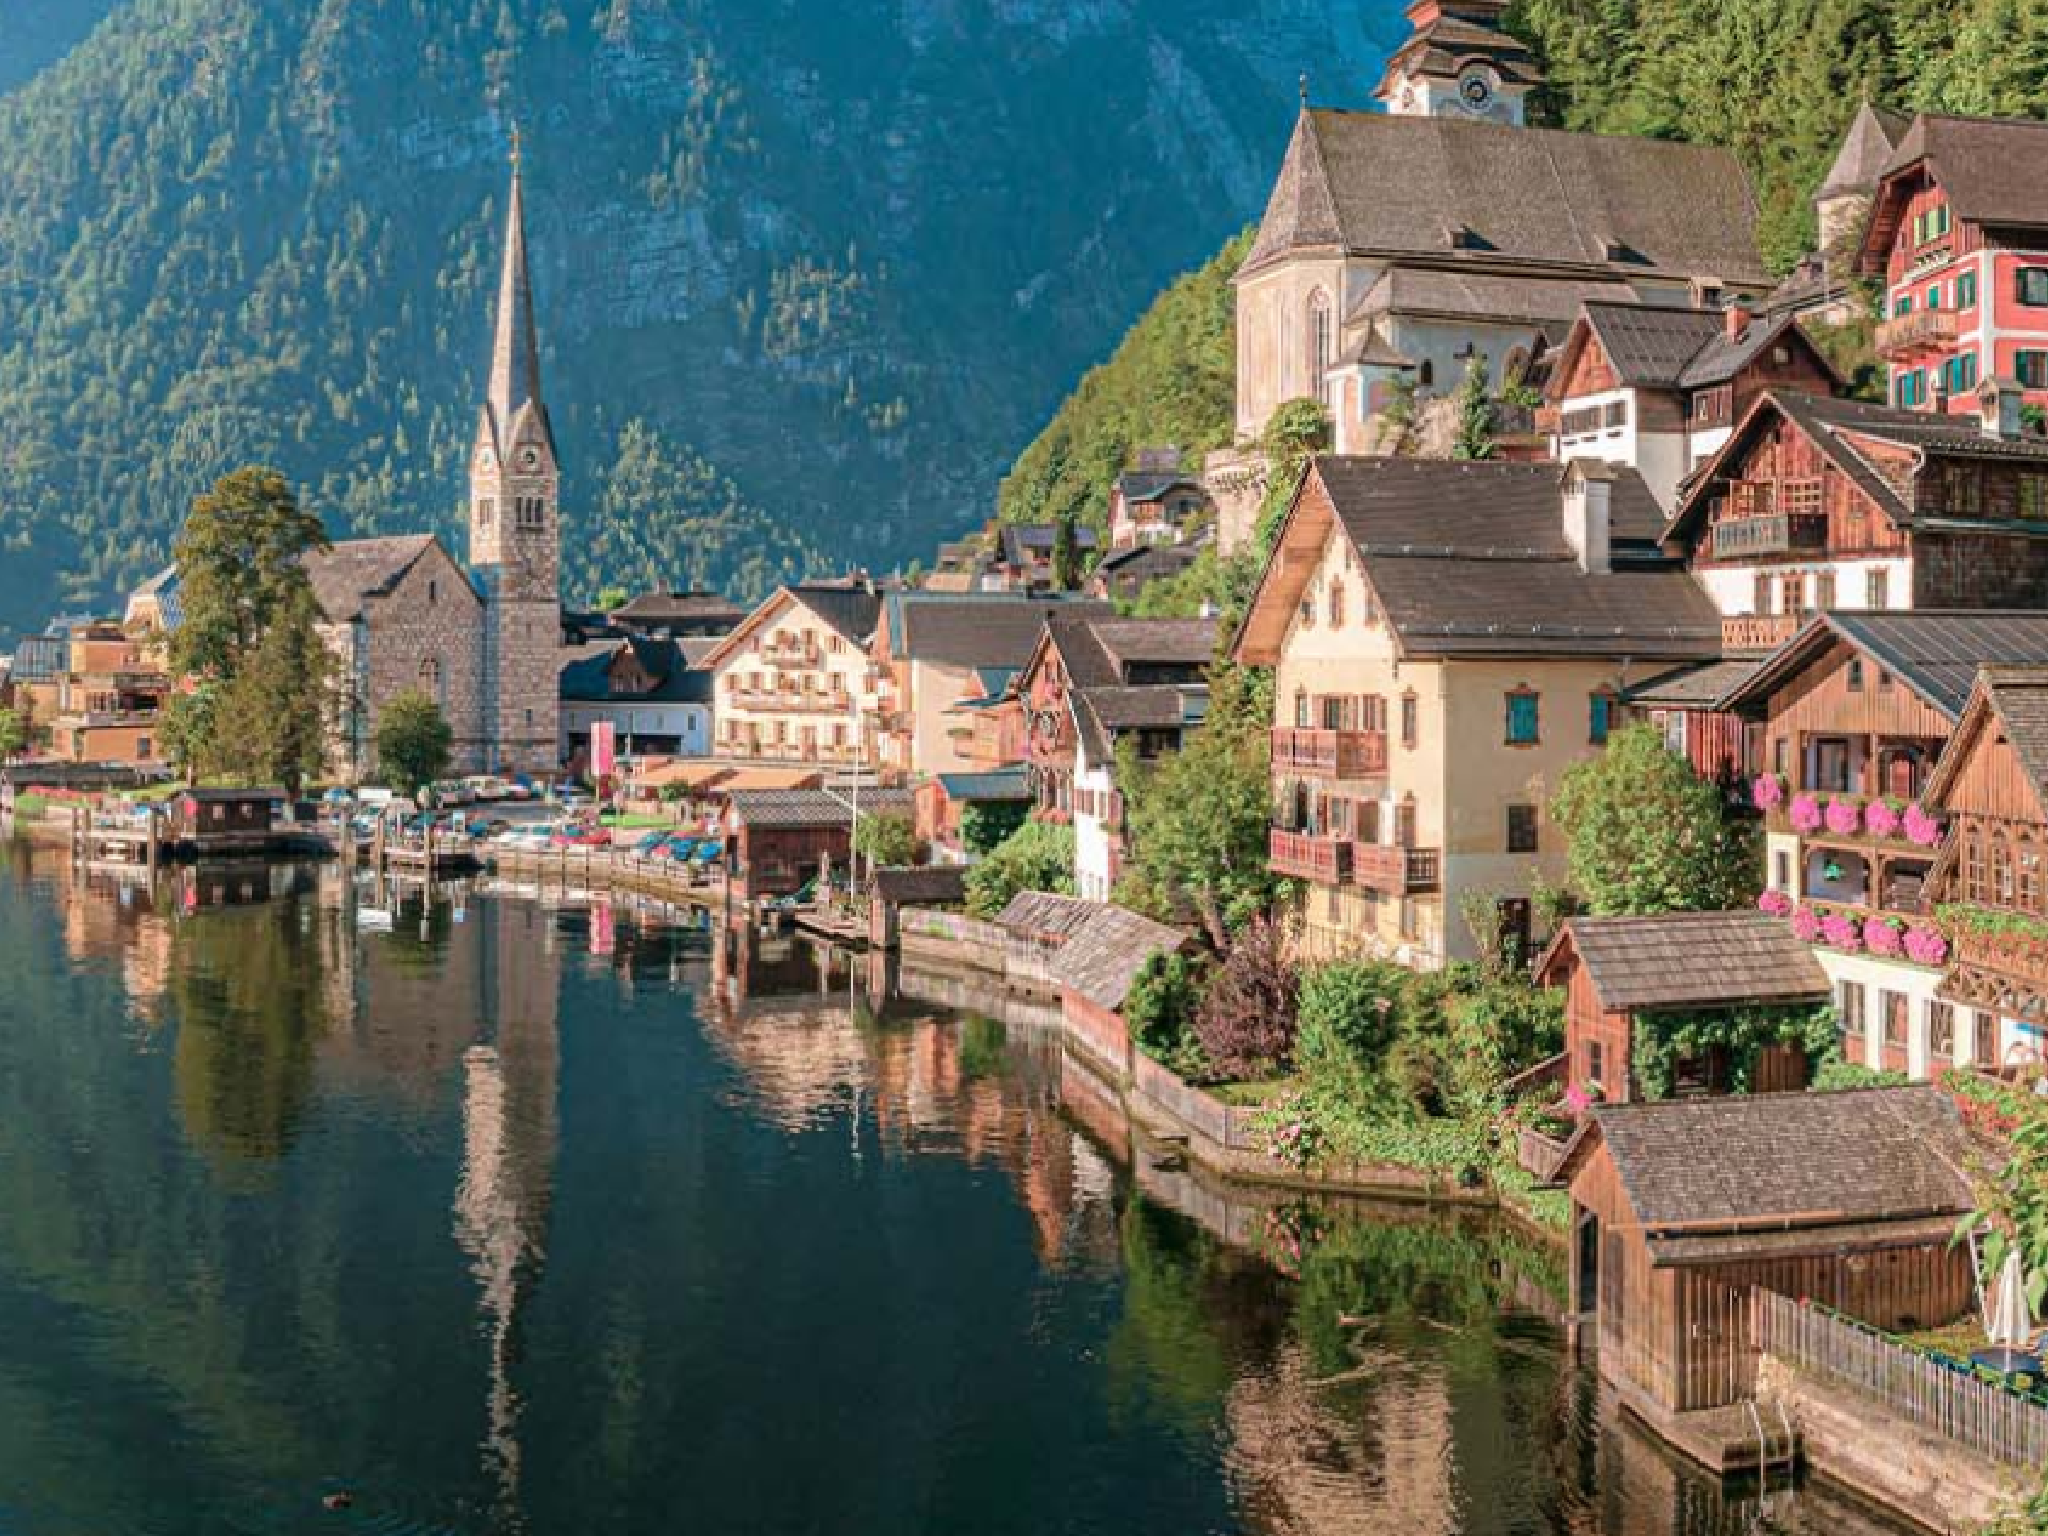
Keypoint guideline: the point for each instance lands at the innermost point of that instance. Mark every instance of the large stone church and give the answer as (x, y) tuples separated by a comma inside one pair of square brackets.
[(484, 642), (1400, 243)]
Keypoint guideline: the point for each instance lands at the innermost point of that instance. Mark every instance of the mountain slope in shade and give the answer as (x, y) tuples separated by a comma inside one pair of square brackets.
[(810, 271)]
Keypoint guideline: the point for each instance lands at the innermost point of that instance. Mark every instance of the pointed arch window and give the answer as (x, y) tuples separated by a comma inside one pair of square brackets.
[(1322, 343), (431, 682)]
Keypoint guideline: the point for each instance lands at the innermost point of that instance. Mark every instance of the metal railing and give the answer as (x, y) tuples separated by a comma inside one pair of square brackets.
[(1991, 1420)]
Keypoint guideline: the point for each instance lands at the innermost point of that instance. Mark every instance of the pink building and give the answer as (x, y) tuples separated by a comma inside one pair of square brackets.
[(1959, 232)]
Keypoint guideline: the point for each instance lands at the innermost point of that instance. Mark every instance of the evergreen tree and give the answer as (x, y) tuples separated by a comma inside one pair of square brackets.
[(1475, 413)]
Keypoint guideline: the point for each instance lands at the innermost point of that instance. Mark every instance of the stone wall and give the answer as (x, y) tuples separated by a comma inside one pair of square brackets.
[(425, 634), (1850, 1439)]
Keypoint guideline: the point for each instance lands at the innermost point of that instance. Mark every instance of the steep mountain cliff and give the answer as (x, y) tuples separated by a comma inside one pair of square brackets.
[(809, 270)]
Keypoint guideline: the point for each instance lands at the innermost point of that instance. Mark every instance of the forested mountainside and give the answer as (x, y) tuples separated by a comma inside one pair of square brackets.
[(809, 270), (34, 33), (1778, 80), (1775, 80)]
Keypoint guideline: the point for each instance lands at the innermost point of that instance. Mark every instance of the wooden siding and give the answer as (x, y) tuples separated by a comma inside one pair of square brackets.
[(1684, 1336), (1781, 452), (1587, 1025), (1993, 785)]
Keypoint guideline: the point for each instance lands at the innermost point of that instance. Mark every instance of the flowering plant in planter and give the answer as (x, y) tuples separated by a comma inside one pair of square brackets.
[(1920, 827), (1806, 813), (1926, 946), (1774, 904), (1841, 932), (1884, 935), (1768, 792), (1844, 817), (1581, 1097), (1881, 818), (1806, 925)]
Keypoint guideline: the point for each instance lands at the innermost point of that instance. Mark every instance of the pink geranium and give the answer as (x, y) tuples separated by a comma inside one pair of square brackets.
[(1839, 932), (1880, 819), (1882, 936), (1774, 903), (1921, 828), (1844, 817), (1806, 813), (1926, 946), (1806, 925), (1768, 792)]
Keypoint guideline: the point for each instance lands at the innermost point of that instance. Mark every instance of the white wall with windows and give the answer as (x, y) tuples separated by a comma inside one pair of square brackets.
[(1809, 586)]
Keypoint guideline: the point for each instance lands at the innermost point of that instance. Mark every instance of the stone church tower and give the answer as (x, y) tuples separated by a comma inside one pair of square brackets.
[(1459, 62), (515, 538)]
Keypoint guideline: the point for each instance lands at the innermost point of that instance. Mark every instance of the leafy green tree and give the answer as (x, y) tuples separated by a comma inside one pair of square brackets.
[(413, 742), (189, 727), (888, 839), (986, 824), (612, 598), (273, 717), (1038, 856), (1649, 835), (1160, 1008), (241, 558), (13, 733), (1197, 826)]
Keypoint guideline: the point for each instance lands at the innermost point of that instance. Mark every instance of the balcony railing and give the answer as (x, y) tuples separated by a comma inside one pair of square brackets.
[(2020, 956), (1395, 871), (1924, 330), (1330, 754), (1771, 533), (1303, 856), (1758, 631), (792, 701)]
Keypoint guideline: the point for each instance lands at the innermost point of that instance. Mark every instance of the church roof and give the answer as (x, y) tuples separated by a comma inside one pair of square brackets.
[(1480, 194), (1417, 291), (514, 389), (1873, 134), (348, 573)]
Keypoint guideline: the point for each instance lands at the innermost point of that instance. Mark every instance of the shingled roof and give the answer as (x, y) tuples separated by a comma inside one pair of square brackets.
[(1375, 184), (973, 629), (2014, 702), (1102, 714), (1470, 558), (1046, 916), (1102, 652), (790, 809), (1688, 960), (1426, 292), (1102, 960), (1994, 170), (1935, 652), (1710, 1179), (352, 571)]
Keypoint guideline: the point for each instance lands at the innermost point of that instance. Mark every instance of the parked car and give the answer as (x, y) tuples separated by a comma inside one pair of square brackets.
[(582, 837), (532, 838)]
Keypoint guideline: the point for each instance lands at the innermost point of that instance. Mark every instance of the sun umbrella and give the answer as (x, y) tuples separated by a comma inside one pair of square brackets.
[(2011, 1327)]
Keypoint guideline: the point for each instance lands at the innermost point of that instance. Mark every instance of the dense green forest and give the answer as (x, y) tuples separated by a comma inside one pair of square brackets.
[(1775, 80), (809, 270)]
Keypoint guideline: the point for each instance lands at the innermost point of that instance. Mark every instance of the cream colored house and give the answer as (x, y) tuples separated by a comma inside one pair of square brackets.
[(795, 683), (1448, 638)]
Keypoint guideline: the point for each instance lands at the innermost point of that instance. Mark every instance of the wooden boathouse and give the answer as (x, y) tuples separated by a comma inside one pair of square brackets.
[(1683, 1210)]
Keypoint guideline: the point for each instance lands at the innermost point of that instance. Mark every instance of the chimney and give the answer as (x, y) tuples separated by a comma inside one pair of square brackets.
[(1588, 486), (1998, 408), (1736, 318)]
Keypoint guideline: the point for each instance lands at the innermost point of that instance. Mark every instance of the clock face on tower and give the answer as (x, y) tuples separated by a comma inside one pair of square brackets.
[(530, 459), (1475, 90)]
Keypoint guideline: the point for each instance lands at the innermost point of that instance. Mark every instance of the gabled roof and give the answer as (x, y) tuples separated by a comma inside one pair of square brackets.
[(1046, 915), (1656, 346), (656, 610), (992, 786), (1935, 652), (850, 609), (592, 678), (1153, 484), (1374, 184), (1102, 960), (775, 809), (943, 884), (2013, 701), (1993, 169), (1844, 430), (1689, 960), (349, 573), (1103, 714), (1724, 356), (972, 629), (1023, 544), (1698, 685), (1866, 149), (1710, 1178), (1470, 559), (1102, 652)]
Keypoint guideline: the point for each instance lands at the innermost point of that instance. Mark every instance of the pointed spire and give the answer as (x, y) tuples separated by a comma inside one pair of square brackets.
[(515, 352)]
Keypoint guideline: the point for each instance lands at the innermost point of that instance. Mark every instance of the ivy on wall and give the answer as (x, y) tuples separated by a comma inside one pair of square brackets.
[(1663, 1040)]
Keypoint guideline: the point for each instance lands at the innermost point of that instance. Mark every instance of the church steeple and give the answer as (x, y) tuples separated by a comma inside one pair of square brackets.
[(515, 350)]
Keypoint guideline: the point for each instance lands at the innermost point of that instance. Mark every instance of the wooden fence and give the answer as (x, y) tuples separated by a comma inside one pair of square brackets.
[(1227, 1125), (1990, 1420)]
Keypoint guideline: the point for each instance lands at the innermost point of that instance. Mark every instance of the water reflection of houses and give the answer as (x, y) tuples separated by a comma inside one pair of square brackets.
[(817, 1035)]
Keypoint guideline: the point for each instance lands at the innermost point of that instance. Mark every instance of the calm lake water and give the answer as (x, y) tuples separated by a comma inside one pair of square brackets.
[(523, 1219)]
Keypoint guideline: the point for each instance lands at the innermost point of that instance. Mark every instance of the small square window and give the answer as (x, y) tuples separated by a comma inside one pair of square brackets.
[(1521, 829)]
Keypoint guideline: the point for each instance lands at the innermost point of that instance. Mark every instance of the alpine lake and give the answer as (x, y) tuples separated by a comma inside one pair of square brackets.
[(326, 1208)]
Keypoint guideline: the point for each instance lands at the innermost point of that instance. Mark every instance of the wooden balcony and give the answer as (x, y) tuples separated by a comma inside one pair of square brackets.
[(1770, 533), (2019, 957), (1302, 856), (1330, 754), (1904, 337), (1758, 631), (1396, 871)]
